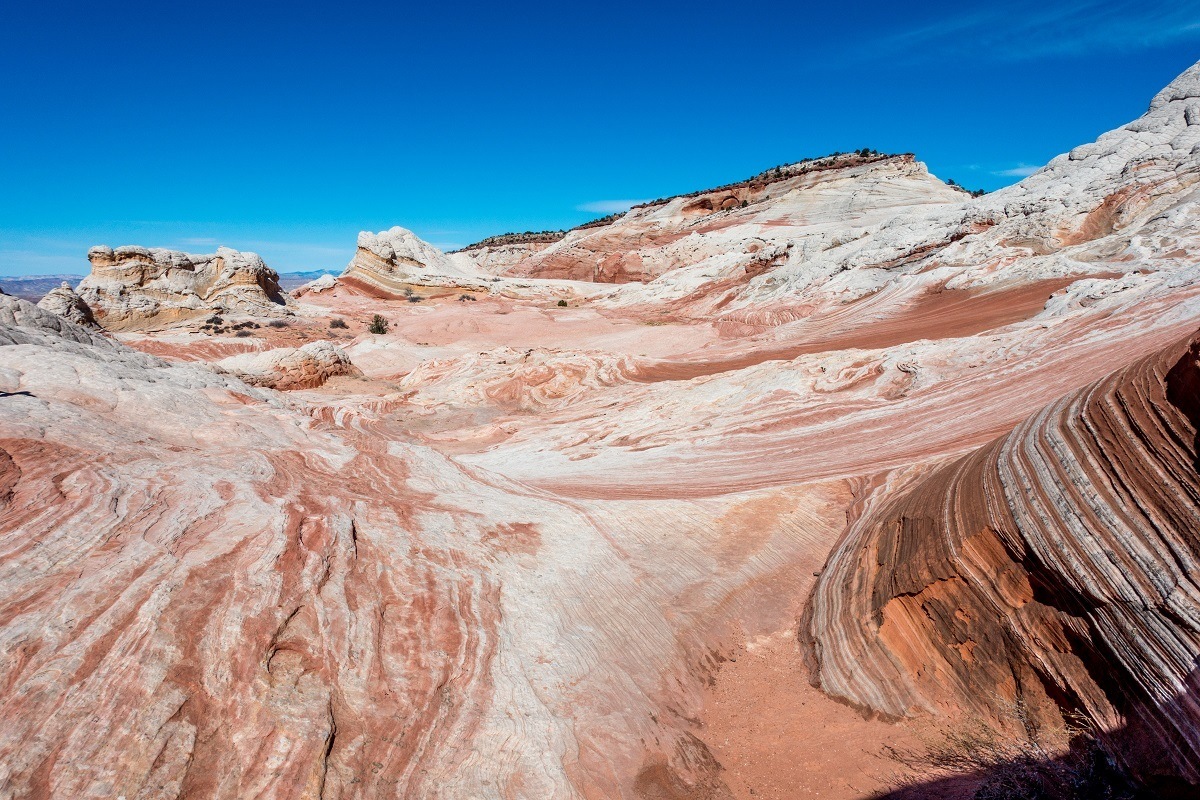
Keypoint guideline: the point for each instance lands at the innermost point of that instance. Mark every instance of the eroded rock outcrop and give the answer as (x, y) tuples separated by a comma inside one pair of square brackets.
[(133, 288), (316, 286), (1057, 568), (305, 367), (22, 322), (68, 305), (386, 263)]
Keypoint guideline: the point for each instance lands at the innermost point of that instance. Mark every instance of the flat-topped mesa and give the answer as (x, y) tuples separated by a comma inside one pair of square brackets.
[(519, 253), (765, 181), (496, 254), (139, 288), (528, 237), (389, 262)]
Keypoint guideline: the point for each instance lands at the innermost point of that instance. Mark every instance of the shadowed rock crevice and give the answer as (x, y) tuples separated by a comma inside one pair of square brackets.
[(977, 763)]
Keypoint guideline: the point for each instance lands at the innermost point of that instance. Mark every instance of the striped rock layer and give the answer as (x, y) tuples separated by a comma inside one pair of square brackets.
[(1058, 567)]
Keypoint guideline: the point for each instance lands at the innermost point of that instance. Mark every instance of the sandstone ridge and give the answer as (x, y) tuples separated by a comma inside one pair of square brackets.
[(1055, 568)]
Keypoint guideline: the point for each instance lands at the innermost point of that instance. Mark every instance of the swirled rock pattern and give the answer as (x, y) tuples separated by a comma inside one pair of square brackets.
[(1056, 567), (560, 536), (304, 367), (217, 593)]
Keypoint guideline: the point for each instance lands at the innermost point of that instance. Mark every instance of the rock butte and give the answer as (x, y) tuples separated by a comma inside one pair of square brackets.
[(800, 467), (136, 287)]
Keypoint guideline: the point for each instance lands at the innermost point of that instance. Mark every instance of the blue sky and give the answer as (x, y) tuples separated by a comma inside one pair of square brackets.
[(287, 128)]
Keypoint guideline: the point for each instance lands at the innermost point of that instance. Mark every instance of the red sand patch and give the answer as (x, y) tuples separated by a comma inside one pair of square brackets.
[(941, 315), (778, 738)]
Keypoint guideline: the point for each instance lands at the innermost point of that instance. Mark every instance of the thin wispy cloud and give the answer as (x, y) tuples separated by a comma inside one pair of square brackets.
[(1025, 30), (194, 240), (1019, 171), (608, 206)]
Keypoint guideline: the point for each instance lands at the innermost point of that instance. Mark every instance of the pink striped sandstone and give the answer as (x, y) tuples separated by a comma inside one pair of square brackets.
[(512, 558)]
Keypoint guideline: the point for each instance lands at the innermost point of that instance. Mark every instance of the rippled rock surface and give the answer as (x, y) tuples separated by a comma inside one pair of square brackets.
[(579, 518)]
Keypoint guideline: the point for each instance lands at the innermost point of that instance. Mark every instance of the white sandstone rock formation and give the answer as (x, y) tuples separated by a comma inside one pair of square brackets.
[(388, 262), (316, 286), (68, 305), (133, 288), (284, 368)]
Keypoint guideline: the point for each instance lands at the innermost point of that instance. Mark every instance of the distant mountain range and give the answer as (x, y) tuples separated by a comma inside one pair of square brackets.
[(292, 280), (34, 287)]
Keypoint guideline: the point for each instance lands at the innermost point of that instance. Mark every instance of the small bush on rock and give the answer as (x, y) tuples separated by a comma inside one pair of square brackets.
[(338, 322), (562, 303), (378, 324)]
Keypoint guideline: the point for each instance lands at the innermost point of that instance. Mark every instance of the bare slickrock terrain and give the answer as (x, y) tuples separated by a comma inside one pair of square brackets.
[(716, 499)]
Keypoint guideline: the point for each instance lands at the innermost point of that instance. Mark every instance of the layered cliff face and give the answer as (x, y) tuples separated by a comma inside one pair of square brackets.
[(132, 288), (1056, 568)]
